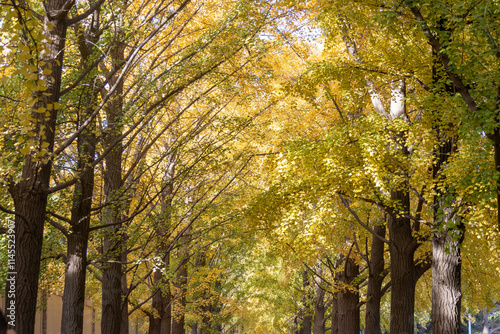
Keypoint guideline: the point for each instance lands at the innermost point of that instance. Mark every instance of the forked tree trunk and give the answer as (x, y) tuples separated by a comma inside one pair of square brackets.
[(402, 244)]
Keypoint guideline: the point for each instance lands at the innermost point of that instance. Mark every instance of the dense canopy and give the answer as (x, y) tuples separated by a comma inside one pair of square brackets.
[(202, 166)]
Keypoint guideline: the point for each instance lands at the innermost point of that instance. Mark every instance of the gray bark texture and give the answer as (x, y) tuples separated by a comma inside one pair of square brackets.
[(446, 283), (486, 326)]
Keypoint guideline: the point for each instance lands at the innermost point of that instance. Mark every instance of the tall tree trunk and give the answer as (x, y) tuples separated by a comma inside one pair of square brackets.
[(403, 272), (77, 239), (319, 303), (125, 324), (402, 245), (181, 284), (180, 302), (194, 328), (161, 302), (74, 283), (375, 279), (112, 213), (162, 299), (446, 258), (348, 300), (335, 307), (446, 281), (486, 326), (30, 194), (449, 231), (306, 312)]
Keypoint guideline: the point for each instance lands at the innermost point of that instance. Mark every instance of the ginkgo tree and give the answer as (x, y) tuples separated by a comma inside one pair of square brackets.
[(373, 62), (251, 165), (107, 35)]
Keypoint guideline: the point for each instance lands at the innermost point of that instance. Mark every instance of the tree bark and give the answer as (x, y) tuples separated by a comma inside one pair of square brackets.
[(125, 324), (449, 232), (180, 302), (348, 299), (77, 239), (446, 267), (112, 214), (335, 303), (402, 244), (446, 282), (194, 328), (403, 272), (486, 326), (306, 312), (162, 299), (161, 302), (376, 276), (181, 285), (30, 194), (319, 303), (334, 328)]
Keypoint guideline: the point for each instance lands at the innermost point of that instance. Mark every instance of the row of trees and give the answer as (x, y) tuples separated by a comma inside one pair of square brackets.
[(221, 167), (402, 169), (119, 157)]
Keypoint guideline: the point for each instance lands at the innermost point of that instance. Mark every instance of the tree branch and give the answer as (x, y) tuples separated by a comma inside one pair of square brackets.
[(4, 209), (58, 226), (345, 202), (89, 11)]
